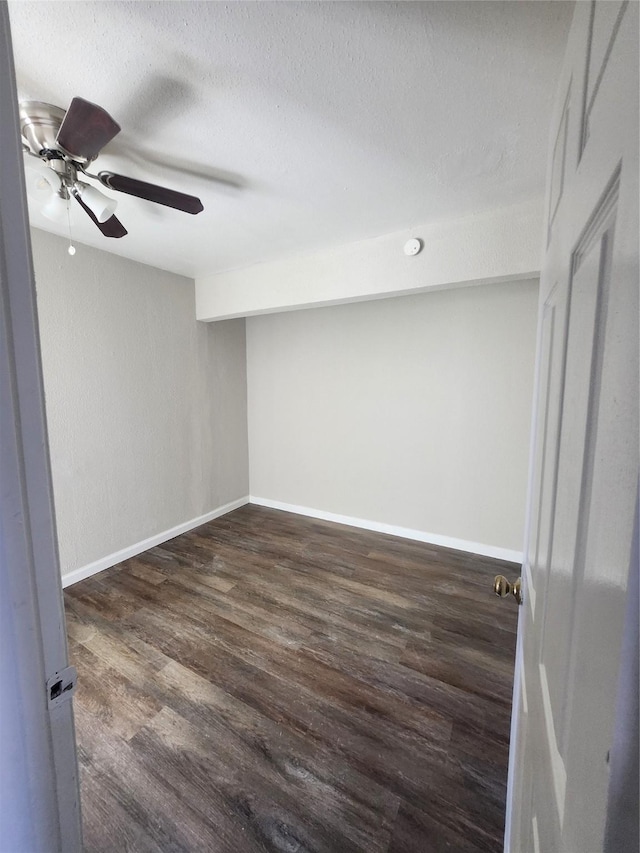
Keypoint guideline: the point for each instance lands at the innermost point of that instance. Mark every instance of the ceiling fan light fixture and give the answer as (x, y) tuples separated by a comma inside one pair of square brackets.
[(98, 203), (41, 185), (56, 208)]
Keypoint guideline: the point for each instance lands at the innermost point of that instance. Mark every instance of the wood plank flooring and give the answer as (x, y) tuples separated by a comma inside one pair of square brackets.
[(278, 684)]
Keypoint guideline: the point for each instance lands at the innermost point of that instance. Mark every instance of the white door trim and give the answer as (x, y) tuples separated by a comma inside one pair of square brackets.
[(38, 771)]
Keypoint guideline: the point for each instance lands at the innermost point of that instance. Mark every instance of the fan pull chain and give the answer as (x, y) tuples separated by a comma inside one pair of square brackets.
[(72, 248)]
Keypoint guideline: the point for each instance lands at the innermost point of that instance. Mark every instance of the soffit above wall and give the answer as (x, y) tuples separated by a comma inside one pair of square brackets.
[(498, 245), (330, 122)]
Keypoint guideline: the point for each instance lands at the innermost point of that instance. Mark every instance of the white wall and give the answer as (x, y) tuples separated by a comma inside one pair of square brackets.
[(412, 411), (146, 407)]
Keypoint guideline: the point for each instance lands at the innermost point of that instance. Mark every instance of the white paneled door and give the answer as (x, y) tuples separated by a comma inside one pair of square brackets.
[(584, 472)]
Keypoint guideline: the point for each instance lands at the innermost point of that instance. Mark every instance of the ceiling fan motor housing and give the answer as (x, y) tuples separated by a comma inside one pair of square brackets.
[(39, 125)]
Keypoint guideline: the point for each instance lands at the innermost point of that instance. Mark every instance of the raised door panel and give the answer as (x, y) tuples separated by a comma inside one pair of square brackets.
[(562, 592), (605, 22)]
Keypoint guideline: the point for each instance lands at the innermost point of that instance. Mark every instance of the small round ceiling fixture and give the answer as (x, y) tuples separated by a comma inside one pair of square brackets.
[(413, 246)]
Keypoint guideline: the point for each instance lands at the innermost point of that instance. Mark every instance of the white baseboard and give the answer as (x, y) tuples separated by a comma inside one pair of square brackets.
[(405, 532), (133, 550)]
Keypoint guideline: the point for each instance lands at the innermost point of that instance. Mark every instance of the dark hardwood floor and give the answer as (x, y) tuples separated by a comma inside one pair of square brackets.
[(273, 683)]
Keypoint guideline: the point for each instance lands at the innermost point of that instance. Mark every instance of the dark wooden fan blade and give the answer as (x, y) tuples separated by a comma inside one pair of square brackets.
[(86, 129), (151, 192), (111, 228)]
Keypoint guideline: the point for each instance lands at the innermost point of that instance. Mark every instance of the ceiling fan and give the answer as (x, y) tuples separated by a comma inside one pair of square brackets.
[(67, 143)]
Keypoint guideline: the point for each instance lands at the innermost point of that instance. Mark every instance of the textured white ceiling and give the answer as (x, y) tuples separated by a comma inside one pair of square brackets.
[(329, 122)]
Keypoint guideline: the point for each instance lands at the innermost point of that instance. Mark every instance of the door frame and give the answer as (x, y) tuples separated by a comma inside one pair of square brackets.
[(39, 771)]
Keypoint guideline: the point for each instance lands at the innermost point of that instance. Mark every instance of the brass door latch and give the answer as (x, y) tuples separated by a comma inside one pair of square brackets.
[(503, 588)]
